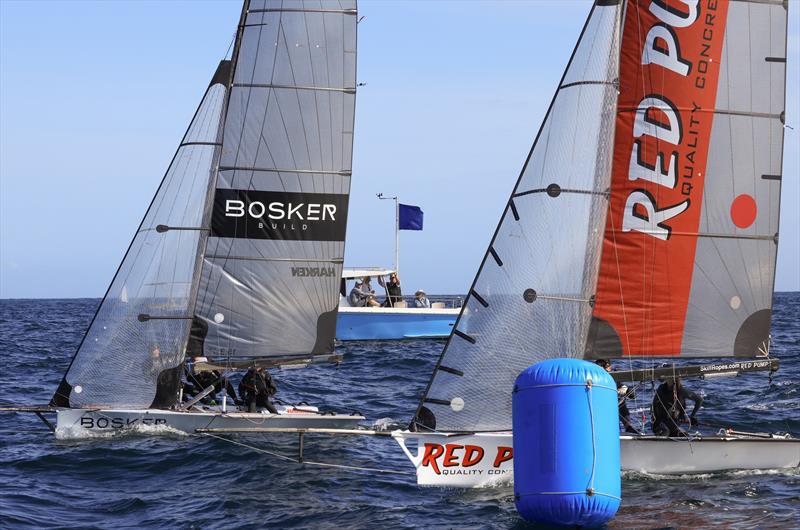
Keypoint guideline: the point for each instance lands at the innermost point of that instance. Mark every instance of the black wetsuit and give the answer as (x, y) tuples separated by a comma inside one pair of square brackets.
[(197, 337), (624, 413), (197, 382), (255, 390), (669, 409)]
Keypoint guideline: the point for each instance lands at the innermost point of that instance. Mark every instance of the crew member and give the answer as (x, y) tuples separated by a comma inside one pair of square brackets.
[(197, 382), (669, 408), (623, 393), (256, 388)]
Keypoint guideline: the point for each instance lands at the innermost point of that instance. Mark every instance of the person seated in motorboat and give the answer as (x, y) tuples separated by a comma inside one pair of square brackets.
[(421, 300), (197, 382), (393, 291), (361, 297), (623, 393), (367, 288), (669, 408), (256, 389)]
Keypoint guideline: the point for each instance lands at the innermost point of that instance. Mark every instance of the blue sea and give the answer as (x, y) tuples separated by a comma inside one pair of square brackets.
[(183, 481)]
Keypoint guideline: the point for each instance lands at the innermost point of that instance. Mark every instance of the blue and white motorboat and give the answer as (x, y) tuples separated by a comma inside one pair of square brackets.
[(403, 321)]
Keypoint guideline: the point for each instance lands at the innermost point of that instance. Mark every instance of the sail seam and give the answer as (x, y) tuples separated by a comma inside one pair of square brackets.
[(288, 170), (297, 10), (346, 90), (709, 234), (215, 144), (578, 83), (264, 258), (563, 298), (731, 112), (545, 190)]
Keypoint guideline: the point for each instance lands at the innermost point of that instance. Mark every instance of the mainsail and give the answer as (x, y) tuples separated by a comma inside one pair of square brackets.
[(645, 221), (532, 298), (273, 262), (244, 239), (691, 238)]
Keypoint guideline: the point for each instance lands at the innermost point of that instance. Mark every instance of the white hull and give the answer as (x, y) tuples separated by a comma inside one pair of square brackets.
[(81, 423), (476, 460)]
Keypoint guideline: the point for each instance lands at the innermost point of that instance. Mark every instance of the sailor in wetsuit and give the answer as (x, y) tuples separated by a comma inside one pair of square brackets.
[(256, 388), (197, 382), (623, 393), (669, 408)]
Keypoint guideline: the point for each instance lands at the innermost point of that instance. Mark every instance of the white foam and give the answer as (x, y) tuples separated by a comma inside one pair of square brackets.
[(78, 433)]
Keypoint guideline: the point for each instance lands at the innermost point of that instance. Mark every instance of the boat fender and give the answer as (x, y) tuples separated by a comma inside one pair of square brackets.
[(566, 444)]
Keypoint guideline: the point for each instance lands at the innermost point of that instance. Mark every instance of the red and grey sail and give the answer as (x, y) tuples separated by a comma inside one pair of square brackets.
[(690, 245), (645, 221)]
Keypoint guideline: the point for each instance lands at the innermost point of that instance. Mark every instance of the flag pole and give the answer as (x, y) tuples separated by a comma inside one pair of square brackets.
[(396, 230)]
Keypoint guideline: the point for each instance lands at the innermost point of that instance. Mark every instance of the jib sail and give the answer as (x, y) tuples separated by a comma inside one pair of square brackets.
[(532, 298), (138, 335), (273, 261), (688, 262)]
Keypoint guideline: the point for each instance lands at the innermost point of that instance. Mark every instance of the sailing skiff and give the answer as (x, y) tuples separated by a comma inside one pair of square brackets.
[(255, 196), (644, 224)]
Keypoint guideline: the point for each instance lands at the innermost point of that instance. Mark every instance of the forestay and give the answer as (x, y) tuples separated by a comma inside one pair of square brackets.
[(139, 331), (690, 245), (532, 298), (273, 262)]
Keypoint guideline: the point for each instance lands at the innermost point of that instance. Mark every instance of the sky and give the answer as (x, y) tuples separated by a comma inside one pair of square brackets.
[(95, 96)]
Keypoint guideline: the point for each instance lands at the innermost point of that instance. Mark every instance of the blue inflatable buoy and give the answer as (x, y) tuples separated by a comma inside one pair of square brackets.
[(566, 444)]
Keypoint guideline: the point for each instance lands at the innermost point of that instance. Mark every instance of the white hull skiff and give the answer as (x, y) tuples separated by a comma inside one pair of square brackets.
[(82, 423), (486, 459)]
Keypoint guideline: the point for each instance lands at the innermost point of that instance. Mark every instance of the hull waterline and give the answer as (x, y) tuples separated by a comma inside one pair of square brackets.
[(485, 459), (80, 423)]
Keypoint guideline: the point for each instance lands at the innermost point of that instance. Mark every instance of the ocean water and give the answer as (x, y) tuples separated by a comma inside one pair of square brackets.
[(181, 481)]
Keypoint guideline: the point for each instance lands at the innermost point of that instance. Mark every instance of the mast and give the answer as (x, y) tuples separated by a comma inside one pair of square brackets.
[(228, 79)]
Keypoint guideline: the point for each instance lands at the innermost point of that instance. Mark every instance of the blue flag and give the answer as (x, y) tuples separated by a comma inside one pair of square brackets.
[(410, 217)]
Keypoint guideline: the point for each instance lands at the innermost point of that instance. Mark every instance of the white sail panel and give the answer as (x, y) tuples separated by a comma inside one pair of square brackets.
[(132, 353), (734, 275), (533, 295), (270, 279)]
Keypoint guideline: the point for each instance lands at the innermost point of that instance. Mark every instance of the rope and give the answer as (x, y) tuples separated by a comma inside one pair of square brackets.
[(594, 441), (307, 462)]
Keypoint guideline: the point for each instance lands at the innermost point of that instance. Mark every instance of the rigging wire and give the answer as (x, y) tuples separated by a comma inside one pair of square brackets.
[(307, 462)]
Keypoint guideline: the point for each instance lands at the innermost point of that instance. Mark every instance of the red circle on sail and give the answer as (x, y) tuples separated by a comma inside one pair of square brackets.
[(743, 210)]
